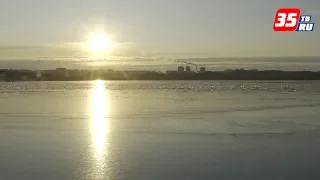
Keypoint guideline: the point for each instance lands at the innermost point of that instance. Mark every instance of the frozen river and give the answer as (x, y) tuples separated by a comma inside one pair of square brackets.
[(136, 130)]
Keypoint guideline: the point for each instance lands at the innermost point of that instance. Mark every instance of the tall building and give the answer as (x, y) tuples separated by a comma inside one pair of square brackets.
[(202, 69), (188, 69), (180, 69)]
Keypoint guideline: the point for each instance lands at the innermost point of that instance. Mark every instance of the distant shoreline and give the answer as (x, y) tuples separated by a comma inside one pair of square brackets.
[(62, 74)]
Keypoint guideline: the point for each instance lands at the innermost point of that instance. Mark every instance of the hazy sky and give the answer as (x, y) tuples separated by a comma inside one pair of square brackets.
[(37, 28)]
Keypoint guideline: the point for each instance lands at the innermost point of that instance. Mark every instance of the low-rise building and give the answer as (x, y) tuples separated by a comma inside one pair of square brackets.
[(2, 77), (62, 71), (170, 72)]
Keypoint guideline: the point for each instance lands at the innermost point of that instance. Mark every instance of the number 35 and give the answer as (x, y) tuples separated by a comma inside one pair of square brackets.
[(287, 21)]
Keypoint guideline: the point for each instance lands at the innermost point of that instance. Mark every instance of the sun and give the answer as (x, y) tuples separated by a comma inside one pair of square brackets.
[(99, 43)]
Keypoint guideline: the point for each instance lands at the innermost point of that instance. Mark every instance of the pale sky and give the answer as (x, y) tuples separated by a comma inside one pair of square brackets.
[(42, 28)]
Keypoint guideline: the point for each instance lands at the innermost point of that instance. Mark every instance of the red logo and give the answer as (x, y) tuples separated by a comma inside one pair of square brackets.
[(286, 19)]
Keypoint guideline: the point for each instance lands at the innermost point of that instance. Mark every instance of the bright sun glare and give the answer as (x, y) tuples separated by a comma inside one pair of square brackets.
[(99, 43)]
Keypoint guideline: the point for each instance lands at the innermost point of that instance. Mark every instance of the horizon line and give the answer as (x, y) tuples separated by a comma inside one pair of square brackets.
[(145, 57)]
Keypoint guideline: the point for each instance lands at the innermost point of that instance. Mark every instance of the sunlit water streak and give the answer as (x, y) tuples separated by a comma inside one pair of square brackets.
[(99, 128), (99, 113)]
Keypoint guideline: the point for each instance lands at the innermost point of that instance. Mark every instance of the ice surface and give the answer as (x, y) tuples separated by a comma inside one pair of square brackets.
[(160, 130)]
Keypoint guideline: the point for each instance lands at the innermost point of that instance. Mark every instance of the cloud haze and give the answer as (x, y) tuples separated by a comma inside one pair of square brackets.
[(179, 28)]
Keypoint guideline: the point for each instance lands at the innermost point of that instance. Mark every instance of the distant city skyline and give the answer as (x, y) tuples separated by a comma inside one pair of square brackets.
[(145, 28), (163, 64)]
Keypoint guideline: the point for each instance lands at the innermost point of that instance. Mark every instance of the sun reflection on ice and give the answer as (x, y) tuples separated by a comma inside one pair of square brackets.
[(99, 109)]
